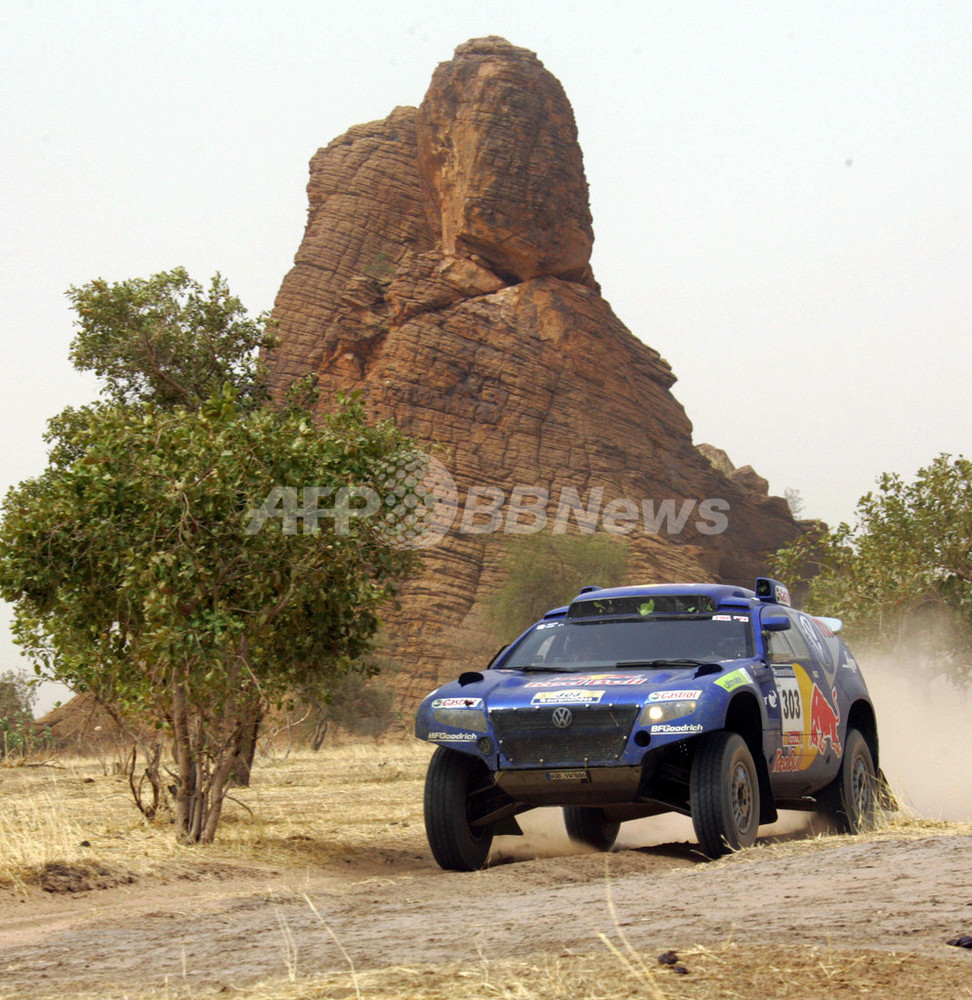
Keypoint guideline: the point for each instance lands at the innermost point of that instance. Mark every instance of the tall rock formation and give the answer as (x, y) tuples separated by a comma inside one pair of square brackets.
[(445, 273)]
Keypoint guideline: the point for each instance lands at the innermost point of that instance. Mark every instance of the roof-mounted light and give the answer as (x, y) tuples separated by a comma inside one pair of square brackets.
[(772, 591), (641, 605)]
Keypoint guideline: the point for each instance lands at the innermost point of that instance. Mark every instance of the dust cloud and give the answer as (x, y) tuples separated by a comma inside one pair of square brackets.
[(545, 836), (925, 733)]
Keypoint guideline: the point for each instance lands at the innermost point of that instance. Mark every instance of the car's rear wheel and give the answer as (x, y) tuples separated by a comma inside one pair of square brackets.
[(724, 792), (453, 784), (586, 825), (848, 803)]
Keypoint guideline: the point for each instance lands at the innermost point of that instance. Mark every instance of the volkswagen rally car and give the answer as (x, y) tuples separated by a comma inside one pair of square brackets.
[(717, 702)]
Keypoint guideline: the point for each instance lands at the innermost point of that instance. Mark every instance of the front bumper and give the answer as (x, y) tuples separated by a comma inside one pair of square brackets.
[(586, 786)]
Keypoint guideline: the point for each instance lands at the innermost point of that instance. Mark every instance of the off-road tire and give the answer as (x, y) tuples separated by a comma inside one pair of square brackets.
[(724, 794), (451, 779), (587, 825), (849, 802)]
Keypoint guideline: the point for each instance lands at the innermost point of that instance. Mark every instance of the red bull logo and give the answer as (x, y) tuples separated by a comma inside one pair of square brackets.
[(788, 761), (610, 680), (824, 721)]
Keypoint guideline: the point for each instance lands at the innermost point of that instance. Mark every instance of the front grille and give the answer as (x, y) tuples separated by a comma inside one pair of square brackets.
[(597, 734)]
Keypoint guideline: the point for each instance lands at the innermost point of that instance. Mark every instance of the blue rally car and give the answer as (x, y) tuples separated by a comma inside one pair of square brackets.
[(714, 701)]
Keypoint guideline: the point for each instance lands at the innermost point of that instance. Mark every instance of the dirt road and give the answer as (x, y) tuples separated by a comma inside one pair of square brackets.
[(225, 927)]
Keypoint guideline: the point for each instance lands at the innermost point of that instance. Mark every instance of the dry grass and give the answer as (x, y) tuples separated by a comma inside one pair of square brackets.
[(363, 800), (903, 825), (733, 970), (305, 809), (349, 799)]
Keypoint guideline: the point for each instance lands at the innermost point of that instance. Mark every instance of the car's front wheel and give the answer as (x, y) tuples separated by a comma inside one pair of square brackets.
[(453, 784), (590, 826), (724, 792), (848, 802)]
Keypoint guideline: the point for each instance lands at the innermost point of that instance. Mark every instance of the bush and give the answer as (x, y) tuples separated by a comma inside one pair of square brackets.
[(543, 571), (19, 734)]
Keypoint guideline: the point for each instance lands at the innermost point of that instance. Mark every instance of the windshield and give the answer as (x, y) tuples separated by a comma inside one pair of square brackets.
[(565, 645)]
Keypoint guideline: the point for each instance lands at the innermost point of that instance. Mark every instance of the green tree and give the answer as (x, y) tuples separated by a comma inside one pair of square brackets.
[(167, 340), (902, 577), (542, 571), (168, 561)]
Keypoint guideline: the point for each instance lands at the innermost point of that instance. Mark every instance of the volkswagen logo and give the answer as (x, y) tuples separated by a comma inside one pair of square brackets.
[(562, 717)]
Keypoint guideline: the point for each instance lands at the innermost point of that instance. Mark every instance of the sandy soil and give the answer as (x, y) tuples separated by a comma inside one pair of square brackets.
[(395, 907)]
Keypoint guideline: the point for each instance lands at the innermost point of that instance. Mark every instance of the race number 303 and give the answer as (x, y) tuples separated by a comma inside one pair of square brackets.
[(791, 704)]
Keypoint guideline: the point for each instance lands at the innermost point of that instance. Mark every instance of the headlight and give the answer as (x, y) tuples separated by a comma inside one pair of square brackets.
[(663, 711), (461, 718)]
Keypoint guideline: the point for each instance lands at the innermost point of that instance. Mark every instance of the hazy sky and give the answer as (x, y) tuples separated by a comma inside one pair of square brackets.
[(781, 193)]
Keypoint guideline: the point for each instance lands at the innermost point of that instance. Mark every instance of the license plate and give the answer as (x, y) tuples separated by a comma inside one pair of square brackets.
[(580, 775)]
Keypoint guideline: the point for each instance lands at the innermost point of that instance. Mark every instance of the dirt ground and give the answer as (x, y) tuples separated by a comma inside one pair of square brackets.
[(223, 928)]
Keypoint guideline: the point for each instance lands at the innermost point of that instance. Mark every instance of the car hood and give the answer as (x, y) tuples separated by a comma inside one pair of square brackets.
[(506, 688)]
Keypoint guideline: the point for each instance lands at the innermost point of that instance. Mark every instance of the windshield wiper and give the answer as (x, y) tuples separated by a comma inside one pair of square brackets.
[(672, 662), (565, 668)]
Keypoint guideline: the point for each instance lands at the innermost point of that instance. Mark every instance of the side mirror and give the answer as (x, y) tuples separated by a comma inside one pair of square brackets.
[(776, 624)]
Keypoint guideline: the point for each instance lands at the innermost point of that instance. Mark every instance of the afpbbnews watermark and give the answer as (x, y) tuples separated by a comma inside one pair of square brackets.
[(529, 509), (417, 504)]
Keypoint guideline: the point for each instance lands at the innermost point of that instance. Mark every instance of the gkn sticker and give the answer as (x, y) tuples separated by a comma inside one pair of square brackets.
[(568, 697)]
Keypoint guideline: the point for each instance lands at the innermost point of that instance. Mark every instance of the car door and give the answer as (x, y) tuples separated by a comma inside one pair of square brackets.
[(786, 651), (822, 723), (803, 703)]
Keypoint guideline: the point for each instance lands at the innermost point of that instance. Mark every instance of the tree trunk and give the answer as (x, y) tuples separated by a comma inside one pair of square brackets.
[(246, 744), (218, 784), (150, 774), (209, 754), (320, 729), (186, 795)]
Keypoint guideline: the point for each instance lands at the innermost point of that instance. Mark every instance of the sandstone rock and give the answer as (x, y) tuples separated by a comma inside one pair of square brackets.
[(498, 153), (716, 457), (749, 479), (430, 281), (444, 272)]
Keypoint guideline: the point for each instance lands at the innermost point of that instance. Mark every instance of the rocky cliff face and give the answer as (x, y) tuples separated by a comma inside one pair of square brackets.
[(445, 273)]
